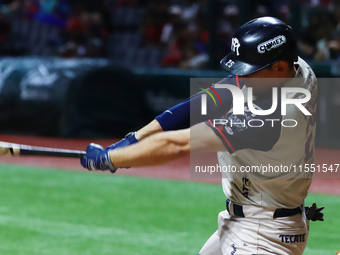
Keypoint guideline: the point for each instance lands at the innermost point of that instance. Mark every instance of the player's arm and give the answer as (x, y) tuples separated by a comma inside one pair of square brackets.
[(188, 113), (183, 115), (154, 150), (167, 146), (152, 128), (176, 118)]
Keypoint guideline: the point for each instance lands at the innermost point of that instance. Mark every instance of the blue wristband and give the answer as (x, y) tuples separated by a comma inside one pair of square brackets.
[(129, 139)]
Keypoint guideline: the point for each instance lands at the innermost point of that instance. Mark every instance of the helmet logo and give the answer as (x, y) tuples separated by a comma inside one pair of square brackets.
[(271, 44), (230, 63), (235, 44)]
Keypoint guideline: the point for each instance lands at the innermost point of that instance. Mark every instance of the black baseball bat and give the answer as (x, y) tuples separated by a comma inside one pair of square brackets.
[(27, 150)]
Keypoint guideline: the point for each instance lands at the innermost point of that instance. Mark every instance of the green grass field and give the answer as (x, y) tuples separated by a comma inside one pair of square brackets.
[(50, 211)]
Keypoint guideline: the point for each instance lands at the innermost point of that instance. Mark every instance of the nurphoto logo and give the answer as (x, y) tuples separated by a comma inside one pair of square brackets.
[(239, 103)]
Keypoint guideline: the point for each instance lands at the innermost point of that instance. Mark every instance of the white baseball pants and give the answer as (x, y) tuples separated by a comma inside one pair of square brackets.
[(258, 234)]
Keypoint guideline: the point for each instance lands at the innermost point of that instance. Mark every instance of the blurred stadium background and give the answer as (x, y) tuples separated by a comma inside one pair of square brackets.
[(77, 71), (77, 68)]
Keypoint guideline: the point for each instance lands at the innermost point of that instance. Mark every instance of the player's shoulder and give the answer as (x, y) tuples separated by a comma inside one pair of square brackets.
[(304, 71)]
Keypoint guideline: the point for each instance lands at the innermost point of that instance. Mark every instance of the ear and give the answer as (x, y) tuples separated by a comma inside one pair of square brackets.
[(281, 68)]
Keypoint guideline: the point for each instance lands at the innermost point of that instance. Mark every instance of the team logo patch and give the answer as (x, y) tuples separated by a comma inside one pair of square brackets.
[(271, 44), (235, 44)]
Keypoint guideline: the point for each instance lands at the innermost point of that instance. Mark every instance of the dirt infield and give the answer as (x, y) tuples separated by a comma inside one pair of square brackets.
[(178, 170)]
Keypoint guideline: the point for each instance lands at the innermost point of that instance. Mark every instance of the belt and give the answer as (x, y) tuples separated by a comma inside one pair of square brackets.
[(280, 212)]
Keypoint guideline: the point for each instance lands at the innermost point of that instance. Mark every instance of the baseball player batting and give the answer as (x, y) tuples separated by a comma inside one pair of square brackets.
[(265, 212)]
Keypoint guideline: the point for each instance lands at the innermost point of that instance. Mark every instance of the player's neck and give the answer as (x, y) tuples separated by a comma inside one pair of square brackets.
[(292, 73)]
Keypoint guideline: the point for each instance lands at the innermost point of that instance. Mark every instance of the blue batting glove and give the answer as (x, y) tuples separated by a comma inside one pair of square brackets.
[(97, 158), (129, 139)]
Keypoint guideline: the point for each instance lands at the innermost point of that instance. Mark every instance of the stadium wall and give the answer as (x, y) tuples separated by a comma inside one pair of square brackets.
[(96, 98)]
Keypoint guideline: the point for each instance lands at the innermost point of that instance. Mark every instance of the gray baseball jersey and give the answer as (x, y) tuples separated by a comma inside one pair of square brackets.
[(261, 194), (270, 160)]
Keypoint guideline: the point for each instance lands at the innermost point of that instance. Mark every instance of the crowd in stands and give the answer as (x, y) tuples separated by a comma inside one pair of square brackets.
[(53, 28), (156, 33)]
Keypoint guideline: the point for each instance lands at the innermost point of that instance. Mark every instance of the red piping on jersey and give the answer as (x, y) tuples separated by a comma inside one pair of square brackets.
[(237, 82), (225, 138), (213, 91)]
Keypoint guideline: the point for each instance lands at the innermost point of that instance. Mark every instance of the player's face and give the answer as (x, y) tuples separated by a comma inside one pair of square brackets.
[(264, 80)]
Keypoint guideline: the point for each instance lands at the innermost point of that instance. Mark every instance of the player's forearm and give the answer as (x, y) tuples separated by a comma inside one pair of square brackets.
[(154, 150), (152, 128)]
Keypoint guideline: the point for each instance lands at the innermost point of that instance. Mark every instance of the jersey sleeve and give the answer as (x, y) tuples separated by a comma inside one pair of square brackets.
[(249, 131), (177, 117), (188, 113)]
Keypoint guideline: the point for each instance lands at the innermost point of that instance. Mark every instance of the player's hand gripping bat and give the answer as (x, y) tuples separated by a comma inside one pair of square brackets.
[(21, 149)]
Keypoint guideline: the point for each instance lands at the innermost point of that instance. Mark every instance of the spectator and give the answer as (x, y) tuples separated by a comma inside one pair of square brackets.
[(86, 35), (152, 31), (322, 29), (193, 57), (47, 6), (307, 45), (260, 11), (189, 13), (169, 32), (12, 9), (5, 28), (77, 26), (283, 13), (178, 26), (174, 51), (154, 21), (227, 25), (328, 4), (97, 36), (50, 12)]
